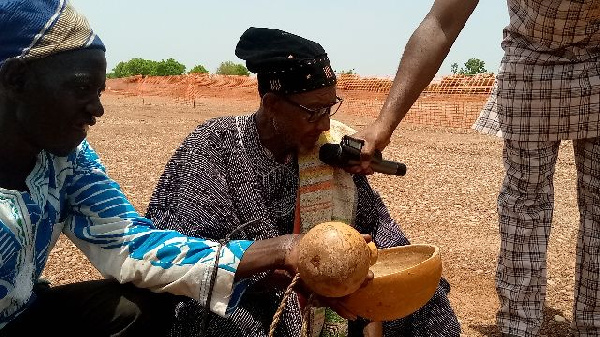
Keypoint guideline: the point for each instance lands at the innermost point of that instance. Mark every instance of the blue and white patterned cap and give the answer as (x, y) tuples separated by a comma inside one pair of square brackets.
[(32, 29)]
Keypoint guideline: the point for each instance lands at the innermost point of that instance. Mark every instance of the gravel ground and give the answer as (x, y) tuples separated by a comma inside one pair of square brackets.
[(447, 197)]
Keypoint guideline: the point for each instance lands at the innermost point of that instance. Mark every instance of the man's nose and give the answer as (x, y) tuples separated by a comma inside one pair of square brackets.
[(323, 123), (95, 108)]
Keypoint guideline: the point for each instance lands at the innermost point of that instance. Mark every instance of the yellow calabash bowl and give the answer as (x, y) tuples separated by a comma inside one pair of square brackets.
[(405, 279)]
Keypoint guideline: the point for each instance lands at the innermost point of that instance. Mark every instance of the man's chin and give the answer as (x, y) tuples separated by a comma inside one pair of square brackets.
[(306, 149), (62, 151)]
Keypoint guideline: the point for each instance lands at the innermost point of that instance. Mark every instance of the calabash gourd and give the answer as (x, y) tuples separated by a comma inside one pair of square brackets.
[(334, 259)]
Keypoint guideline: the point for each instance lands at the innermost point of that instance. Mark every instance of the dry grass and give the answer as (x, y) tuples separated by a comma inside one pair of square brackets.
[(447, 197)]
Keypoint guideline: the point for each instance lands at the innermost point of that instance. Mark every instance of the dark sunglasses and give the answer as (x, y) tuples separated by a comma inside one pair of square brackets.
[(316, 114)]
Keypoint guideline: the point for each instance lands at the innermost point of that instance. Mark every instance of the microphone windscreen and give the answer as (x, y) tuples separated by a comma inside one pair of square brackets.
[(331, 154)]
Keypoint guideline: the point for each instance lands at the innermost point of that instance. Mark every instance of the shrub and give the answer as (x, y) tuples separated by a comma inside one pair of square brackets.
[(135, 66), (230, 68), (347, 72), (168, 67), (472, 66), (139, 66), (199, 69)]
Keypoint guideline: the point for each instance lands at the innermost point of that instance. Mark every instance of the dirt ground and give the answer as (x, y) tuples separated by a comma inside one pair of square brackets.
[(447, 197)]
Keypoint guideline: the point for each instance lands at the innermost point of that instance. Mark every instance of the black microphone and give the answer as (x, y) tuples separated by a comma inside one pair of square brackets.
[(348, 153)]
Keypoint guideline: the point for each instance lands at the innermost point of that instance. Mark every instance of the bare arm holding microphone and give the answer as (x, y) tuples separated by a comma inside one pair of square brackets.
[(423, 55)]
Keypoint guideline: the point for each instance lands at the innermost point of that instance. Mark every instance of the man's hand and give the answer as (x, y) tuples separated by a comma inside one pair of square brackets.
[(291, 253), (281, 255), (276, 253), (377, 137)]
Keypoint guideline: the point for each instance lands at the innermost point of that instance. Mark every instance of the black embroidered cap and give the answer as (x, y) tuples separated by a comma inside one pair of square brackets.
[(283, 62)]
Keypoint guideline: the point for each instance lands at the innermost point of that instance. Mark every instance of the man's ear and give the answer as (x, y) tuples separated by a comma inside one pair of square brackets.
[(269, 103), (13, 76)]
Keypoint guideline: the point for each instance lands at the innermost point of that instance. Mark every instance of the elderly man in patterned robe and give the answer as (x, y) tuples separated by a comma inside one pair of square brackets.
[(258, 176)]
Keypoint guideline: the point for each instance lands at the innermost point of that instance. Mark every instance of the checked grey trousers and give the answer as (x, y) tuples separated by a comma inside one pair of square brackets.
[(525, 207)]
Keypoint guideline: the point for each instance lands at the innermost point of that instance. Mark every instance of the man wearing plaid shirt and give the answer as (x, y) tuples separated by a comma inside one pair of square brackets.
[(547, 90)]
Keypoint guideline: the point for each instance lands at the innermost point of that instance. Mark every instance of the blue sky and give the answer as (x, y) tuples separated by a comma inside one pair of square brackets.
[(367, 36)]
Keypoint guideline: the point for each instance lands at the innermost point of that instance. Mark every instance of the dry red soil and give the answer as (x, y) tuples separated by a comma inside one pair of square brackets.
[(447, 198)]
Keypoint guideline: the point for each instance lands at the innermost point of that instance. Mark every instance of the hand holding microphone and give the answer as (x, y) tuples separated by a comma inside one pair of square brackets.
[(347, 153)]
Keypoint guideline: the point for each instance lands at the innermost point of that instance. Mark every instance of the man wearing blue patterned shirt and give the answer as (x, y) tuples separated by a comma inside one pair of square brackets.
[(52, 72)]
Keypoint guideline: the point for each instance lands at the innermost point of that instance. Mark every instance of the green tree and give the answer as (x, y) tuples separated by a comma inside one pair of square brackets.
[(473, 66), (135, 66), (347, 72), (454, 68), (230, 68), (120, 70), (199, 69), (168, 67), (139, 66)]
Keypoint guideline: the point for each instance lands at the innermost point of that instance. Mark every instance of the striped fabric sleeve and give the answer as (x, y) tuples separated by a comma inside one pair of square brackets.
[(125, 246)]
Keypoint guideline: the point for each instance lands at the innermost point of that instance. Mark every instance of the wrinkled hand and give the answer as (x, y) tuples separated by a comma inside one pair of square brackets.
[(291, 253), (377, 137), (279, 279)]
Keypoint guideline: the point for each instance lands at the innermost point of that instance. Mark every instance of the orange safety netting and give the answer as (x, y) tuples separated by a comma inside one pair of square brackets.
[(462, 84), (452, 101)]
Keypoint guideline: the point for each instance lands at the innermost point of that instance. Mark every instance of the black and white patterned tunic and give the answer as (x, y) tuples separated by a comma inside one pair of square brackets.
[(222, 177)]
